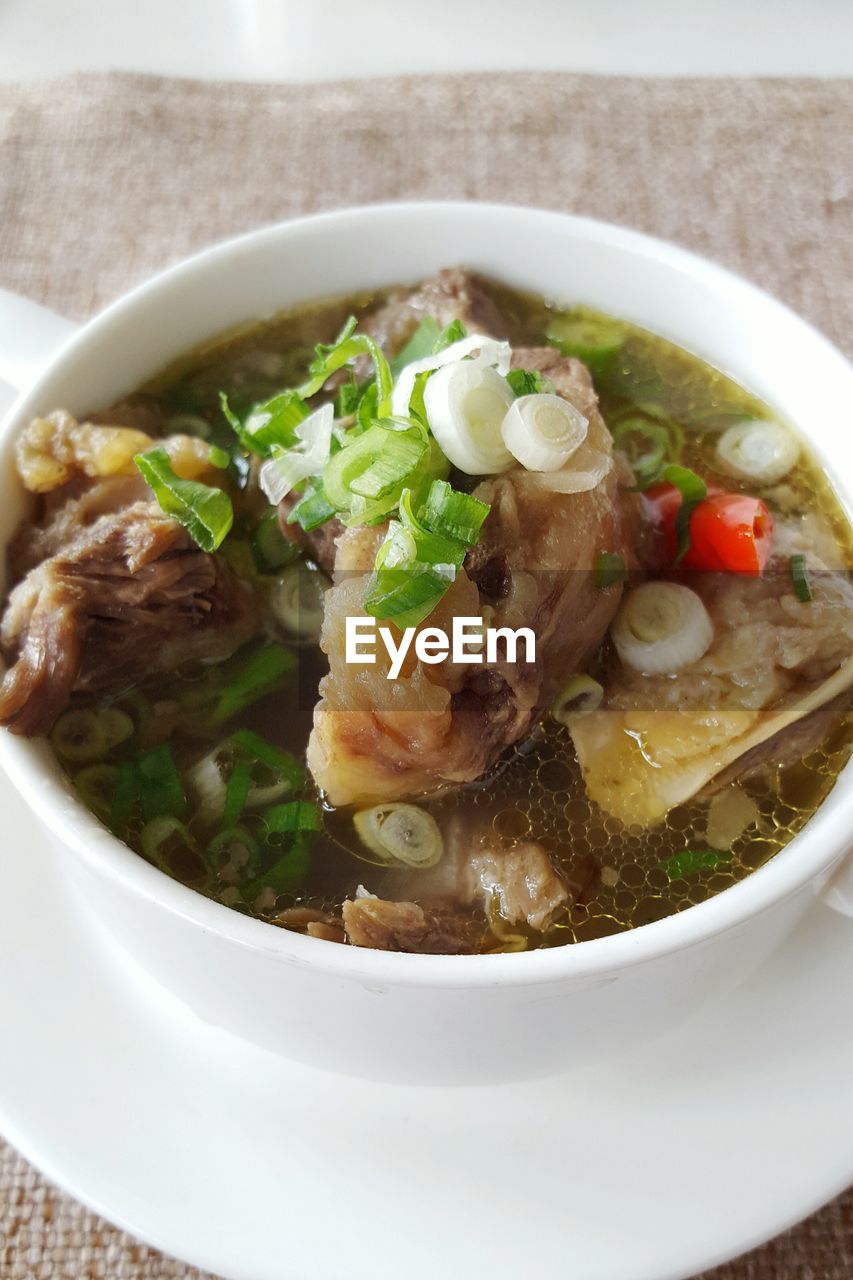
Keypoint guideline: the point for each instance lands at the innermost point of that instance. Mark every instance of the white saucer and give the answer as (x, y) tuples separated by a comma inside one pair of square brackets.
[(652, 1168)]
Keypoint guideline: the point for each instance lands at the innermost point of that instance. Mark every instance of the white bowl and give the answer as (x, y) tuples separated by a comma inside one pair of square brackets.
[(414, 1017)]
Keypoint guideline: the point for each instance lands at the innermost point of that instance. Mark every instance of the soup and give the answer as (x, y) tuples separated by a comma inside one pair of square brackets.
[(653, 696)]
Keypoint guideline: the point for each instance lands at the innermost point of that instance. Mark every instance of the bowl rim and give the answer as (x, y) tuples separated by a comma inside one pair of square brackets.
[(803, 860)]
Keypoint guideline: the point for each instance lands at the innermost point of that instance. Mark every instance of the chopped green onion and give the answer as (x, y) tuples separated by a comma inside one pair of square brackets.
[(79, 736), (313, 508), (116, 725), (329, 357), (452, 514), (236, 791), (693, 490), (689, 861), (422, 343), (373, 465), (661, 628), (593, 340), (219, 458), (295, 816), (368, 406), (246, 679), (454, 332), (205, 512), (257, 748), (529, 382), (272, 550), (230, 843), (269, 425), (349, 397), (168, 832), (297, 600), (390, 468), (581, 696), (466, 402), (96, 785), (432, 547), (287, 468), (400, 834), (800, 579), (274, 422), (287, 874), (646, 445), (609, 569), (416, 564), (161, 792), (125, 795), (410, 594)]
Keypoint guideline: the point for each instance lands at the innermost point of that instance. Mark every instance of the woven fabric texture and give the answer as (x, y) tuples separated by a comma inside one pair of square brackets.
[(105, 179)]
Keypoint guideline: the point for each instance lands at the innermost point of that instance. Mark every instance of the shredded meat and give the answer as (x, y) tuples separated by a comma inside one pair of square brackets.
[(453, 294), (522, 880), (406, 926), (127, 595)]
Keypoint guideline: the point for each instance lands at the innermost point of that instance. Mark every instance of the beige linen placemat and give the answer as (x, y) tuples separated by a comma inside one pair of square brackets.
[(104, 179)]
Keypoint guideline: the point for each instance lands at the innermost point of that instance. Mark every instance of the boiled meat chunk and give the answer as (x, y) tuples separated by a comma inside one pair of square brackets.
[(379, 739), (773, 664)]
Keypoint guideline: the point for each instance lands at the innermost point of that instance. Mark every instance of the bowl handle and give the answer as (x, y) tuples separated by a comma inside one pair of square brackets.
[(838, 891), (29, 336)]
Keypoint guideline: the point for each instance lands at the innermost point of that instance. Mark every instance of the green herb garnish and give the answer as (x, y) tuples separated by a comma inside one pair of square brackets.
[(688, 861), (452, 514), (421, 344), (454, 332), (693, 490), (329, 357), (610, 569), (800, 579), (269, 425), (313, 507), (204, 511), (529, 382), (647, 446)]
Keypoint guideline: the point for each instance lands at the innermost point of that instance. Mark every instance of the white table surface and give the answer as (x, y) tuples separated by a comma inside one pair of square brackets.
[(317, 39)]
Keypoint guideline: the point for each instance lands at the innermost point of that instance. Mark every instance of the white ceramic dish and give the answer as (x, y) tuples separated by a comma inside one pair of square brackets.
[(654, 1166), (439, 1017)]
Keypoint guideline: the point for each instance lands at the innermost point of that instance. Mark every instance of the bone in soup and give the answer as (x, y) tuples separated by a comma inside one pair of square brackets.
[(177, 620)]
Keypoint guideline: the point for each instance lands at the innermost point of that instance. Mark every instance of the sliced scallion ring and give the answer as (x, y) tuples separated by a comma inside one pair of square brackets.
[(758, 450), (79, 735), (116, 725), (206, 782), (272, 549), (289, 467), (592, 339), (800, 578), (233, 852), (400, 835), (163, 838), (296, 600), (543, 431), (96, 785), (662, 627), (581, 696), (466, 404), (646, 444), (481, 350)]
